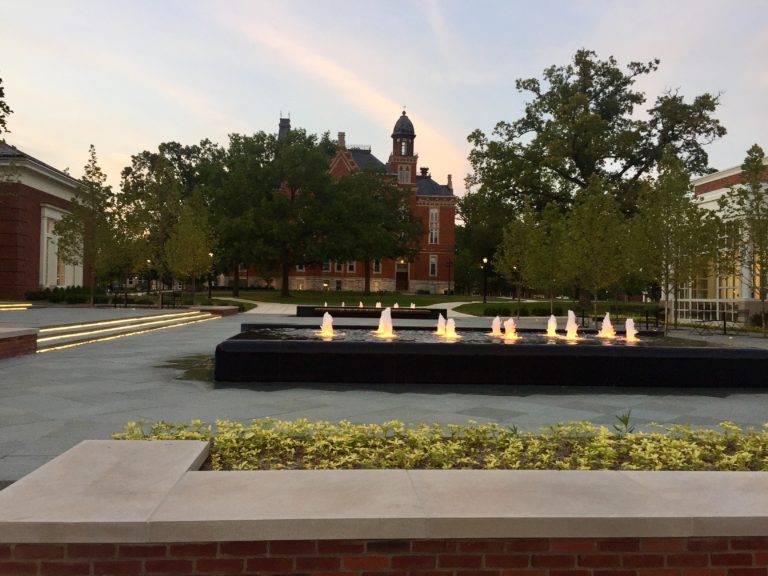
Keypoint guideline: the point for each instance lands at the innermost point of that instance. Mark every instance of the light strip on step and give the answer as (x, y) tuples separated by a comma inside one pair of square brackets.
[(120, 321), (126, 335), (6, 309), (103, 330)]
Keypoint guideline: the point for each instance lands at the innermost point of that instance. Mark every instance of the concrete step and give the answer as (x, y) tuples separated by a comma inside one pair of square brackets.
[(65, 336)]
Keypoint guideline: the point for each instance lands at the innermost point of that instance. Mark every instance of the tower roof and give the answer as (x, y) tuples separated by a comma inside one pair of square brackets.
[(403, 127)]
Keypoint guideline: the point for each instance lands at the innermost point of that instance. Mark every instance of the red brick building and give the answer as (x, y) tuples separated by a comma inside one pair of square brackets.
[(435, 204), (33, 196)]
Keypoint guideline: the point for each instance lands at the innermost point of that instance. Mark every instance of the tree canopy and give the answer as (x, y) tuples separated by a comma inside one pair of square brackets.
[(584, 119)]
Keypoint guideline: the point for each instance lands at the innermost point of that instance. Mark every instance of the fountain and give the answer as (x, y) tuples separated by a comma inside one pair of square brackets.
[(360, 305), (630, 331), (378, 304), (552, 327), (385, 329), (510, 330), (396, 305), (342, 305), (440, 326), (450, 329), (606, 329), (496, 327), (413, 305), (326, 328), (571, 327)]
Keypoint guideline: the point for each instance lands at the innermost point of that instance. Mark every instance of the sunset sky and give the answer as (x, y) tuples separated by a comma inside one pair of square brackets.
[(126, 75)]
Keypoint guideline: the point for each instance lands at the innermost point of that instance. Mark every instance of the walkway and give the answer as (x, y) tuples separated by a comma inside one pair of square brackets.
[(50, 402)]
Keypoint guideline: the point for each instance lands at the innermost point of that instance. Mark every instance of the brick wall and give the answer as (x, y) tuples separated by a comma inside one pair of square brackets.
[(18, 346), (724, 556)]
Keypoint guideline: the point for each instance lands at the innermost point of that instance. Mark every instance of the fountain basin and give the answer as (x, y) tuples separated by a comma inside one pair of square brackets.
[(370, 312), (245, 358)]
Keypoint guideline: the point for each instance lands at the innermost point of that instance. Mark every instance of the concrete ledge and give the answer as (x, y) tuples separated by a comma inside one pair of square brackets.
[(122, 491), (98, 491), (218, 310)]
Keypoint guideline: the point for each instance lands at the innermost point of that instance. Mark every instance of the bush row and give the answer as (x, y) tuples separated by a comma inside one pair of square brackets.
[(269, 444)]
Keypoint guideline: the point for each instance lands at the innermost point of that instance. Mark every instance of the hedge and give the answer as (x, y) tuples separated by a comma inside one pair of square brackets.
[(268, 444)]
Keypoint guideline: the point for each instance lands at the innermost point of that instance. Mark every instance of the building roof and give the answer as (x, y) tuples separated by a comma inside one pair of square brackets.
[(10, 154), (366, 160), (403, 127), (425, 186)]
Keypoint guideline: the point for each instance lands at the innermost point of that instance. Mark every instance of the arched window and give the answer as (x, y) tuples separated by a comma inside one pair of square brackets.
[(403, 147)]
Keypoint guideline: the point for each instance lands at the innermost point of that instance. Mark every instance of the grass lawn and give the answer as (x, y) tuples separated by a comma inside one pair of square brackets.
[(351, 298)]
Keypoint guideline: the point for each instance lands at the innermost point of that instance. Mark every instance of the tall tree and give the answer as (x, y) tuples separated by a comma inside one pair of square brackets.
[(86, 235), (582, 122), (154, 195), (533, 250), (371, 219), (672, 238), (5, 111), (294, 216), (595, 240), (190, 242), (745, 206)]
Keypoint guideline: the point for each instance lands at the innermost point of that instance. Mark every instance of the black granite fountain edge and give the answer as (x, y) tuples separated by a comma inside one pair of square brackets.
[(463, 363)]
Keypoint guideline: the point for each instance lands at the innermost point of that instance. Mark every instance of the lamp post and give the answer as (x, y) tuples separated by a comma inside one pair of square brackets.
[(149, 276), (485, 280), (210, 270), (449, 265)]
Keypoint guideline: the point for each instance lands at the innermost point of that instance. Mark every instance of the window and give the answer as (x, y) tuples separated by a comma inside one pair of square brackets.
[(404, 175), (434, 226), (403, 147), (327, 266), (339, 266), (299, 267), (377, 266), (351, 266), (433, 265)]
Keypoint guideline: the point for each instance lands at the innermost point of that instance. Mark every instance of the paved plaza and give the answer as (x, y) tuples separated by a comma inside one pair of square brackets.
[(50, 402)]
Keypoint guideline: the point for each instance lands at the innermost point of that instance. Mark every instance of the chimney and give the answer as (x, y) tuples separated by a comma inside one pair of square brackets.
[(342, 140), (285, 127), (424, 171), (450, 182)]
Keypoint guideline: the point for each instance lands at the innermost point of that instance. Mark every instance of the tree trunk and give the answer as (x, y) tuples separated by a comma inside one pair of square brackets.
[(284, 288), (674, 304), (92, 274), (236, 285), (193, 289), (367, 283), (762, 312)]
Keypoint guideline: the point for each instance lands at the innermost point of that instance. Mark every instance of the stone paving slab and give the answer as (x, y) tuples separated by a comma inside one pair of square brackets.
[(51, 401)]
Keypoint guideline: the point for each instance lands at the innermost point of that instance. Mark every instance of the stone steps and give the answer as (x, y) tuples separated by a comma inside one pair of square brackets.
[(65, 336)]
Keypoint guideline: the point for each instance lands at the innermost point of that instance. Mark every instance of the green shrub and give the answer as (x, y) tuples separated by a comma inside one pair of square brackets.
[(273, 444)]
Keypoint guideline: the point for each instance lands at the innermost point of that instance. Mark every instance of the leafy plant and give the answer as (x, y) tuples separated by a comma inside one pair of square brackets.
[(268, 444)]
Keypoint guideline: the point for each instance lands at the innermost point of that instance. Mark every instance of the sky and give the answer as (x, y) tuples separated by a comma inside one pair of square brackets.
[(126, 75)]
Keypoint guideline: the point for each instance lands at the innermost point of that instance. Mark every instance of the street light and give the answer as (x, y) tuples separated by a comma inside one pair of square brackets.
[(210, 270), (449, 265), (485, 280)]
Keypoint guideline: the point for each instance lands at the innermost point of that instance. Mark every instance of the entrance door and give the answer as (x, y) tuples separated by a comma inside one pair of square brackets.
[(401, 278)]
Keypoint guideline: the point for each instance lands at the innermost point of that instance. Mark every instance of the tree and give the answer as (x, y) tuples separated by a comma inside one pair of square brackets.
[(745, 207), (582, 123), (5, 111), (293, 216), (372, 221), (190, 242), (672, 239), (85, 234), (153, 195), (594, 252), (532, 250)]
